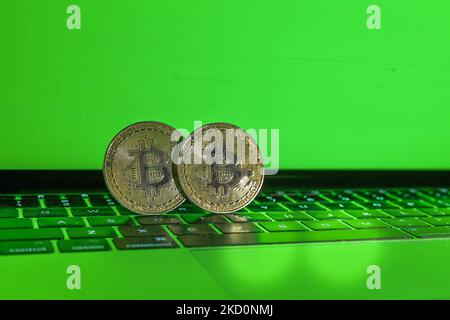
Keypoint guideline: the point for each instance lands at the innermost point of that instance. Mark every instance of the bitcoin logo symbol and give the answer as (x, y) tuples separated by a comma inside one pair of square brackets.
[(153, 169), (225, 176)]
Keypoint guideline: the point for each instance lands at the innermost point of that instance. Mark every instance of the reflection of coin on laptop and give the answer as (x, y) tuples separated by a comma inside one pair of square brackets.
[(138, 168)]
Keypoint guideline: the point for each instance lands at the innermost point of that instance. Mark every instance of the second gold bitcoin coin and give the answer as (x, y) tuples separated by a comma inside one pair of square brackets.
[(220, 168)]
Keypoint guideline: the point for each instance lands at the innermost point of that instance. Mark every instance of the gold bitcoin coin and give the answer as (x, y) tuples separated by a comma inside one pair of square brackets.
[(138, 168), (220, 168)]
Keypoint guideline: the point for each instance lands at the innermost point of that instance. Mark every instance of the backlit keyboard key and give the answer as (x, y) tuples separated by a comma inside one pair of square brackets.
[(30, 234), (100, 201), (367, 223), (304, 207), (412, 204), (435, 221), (430, 232), (153, 242), (22, 247), (80, 245), (191, 229), (307, 198), (15, 224), (286, 216), (109, 221), (248, 217), (41, 213), (63, 222), (378, 205), (404, 213), (270, 198), (141, 231), (8, 213), (437, 212), (159, 219), (326, 225), (283, 226), (101, 232), (203, 218), (323, 215), (342, 206), (92, 212), (406, 222), (265, 207), (28, 202), (237, 227), (366, 214)]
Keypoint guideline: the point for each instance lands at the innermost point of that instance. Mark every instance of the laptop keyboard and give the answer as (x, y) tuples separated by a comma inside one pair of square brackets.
[(95, 222)]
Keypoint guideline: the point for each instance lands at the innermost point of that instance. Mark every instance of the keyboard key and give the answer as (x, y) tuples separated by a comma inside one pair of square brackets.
[(430, 232), (16, 224), (435, 221), (187, 209), (367, 224), (22, 247), (141, 231), (125, 212), (203, 218), (7, 201), (83, 245), (92, 212), (290, 237), (101, 232), (69, 201), (322, 215), (286, 216), (442, 203), (412, 204), (248, 217), (60, 222), (55, 201), (153, 242), (404, 213), (378, 205), (377, 196), (109, 221), (191, 229), (436, 211), (159, 219), (101, 201), (304, 207), (366, 214), (410, 194), (342, 197), (406, 222), (283, 226), (267, 198), (265, 207), (326, 225), (41, 212), (307, 198), (241, 227), (30, 234), (8, 213), (28, 202), (442, 193), (342, 206)]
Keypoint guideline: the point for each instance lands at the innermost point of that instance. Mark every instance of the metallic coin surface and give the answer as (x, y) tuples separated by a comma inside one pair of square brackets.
[(138, 168), (220, 175)]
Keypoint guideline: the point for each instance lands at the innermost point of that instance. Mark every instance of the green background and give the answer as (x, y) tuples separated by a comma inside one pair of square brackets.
[(342, 96)]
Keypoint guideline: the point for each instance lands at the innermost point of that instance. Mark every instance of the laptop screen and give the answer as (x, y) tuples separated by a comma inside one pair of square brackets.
[(345, 86)]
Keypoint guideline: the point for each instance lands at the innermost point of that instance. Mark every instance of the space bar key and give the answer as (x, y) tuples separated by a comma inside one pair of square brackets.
[(216, 240)]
